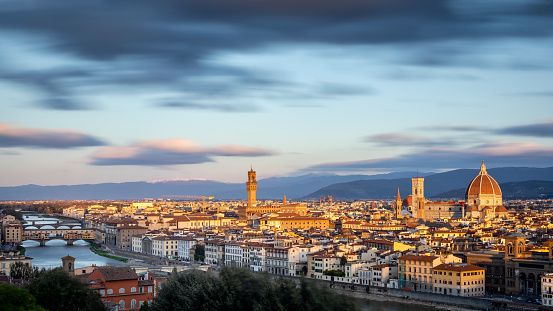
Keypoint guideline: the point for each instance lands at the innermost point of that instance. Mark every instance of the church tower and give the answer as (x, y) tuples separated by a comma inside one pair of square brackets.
[(68, 264), (251, 187), (418, 197), (398, 205)]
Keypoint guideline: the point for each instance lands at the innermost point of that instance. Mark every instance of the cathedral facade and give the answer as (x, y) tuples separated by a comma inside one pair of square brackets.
[(483, 199)]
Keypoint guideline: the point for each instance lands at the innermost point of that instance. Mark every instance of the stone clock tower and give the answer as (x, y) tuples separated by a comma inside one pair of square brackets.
[(251, 187)]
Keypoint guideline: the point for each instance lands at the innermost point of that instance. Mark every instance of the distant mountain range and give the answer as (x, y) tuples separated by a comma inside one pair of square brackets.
[(269, 188), (515, 182), (520, 182)]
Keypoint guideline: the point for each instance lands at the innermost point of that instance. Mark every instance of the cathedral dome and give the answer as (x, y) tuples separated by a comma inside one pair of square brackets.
[(483, 184)]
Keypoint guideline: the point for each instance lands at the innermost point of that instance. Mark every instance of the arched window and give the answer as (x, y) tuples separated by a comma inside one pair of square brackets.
[(133, 289), (133, 303), (110, 291), (121, 305), (121, 290)]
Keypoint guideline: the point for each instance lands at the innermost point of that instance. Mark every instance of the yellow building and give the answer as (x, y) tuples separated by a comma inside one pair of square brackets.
[(459, 280), (415, 272), (297, 222), (294, 208)]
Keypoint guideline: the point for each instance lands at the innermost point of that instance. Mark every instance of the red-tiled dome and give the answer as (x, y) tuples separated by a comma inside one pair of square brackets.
[(483, 184), (408, 201), (500, 209)]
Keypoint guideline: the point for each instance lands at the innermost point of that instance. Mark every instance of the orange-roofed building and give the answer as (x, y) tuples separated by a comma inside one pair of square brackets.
[(121, 286)]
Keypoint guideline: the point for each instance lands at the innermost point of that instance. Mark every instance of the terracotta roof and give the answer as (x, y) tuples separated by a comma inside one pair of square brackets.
[(458, 268), (418, 258), (483, 184), (117, 273)]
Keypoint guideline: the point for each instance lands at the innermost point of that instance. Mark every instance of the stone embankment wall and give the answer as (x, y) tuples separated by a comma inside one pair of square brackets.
[(148, 259), (428, 299), (407, 296)]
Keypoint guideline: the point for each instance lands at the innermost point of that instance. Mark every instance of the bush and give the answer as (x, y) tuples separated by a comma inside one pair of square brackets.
[(58, 290), (239, 289)]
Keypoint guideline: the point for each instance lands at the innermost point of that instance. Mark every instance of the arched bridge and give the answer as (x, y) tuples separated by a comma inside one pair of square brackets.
[(55, 226), (69, 235)]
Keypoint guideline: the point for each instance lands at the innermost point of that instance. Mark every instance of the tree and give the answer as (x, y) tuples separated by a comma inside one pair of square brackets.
[(145, 307), (199, 253), (58, 290), (19, 270), (17, 299), (239, 289)]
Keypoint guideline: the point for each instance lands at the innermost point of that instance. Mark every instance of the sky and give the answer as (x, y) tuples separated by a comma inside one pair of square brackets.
[(117, 91)]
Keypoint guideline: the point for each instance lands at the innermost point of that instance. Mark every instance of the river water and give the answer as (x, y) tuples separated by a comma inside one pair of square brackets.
[(49, 256)]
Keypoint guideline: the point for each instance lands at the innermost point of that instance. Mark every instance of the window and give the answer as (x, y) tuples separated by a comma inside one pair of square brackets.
[(110, 291), (121, 304), (102, 292), (121, 290), (133, 289), (133, 303)]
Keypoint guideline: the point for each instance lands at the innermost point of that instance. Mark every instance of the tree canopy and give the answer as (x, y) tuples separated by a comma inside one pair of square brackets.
[(58, 290), (238, 289), (17, 299)]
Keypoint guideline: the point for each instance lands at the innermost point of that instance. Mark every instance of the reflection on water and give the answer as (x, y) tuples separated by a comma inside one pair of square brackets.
[(49, 256)]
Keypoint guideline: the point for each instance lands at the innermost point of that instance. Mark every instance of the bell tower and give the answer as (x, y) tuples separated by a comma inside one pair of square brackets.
[(68, 264), (418, 197), (398, 205), (251, 187)]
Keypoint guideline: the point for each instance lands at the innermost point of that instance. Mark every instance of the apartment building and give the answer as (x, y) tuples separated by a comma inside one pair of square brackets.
[(415, 272), (459, 280)]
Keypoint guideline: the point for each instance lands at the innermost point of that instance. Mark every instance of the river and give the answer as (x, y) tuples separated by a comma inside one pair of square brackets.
[(49, 256)]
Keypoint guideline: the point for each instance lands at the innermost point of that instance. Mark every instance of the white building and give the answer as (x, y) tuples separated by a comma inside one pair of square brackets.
[(165, 246), (184, 247), (547, 289)]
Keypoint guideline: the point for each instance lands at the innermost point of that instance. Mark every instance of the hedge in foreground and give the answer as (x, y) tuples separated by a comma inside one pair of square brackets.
[(238, 289)]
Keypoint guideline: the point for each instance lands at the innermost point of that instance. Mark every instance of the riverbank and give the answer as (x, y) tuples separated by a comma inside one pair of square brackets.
[(96, 250)]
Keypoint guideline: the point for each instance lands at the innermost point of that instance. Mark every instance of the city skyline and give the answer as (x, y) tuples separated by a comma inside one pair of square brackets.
[(98, 92)]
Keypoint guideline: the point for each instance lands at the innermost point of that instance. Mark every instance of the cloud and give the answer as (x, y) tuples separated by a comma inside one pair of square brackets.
[(215, 107), (454, 128), (13, 136), (497, 154), (172, 43), (533, 130), (170, 152), (401, 139)]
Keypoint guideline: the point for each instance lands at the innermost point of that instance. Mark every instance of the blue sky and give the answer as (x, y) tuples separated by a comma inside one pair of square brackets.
[(113, 91)]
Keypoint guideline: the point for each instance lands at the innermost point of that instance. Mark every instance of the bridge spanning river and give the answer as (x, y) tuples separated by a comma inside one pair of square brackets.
[(68, 235)]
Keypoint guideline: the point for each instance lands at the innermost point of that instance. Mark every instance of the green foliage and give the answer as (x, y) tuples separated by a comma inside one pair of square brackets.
[(95, 249), (12, 211), (58, 290), (17, 299), (343, 260), (239, 289), (145, 307), (19, 270), (199, 252), (334, 272)]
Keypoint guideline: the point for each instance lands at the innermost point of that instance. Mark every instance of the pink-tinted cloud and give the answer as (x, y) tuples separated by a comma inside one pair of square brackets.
[(14, 136), (170, 152)]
